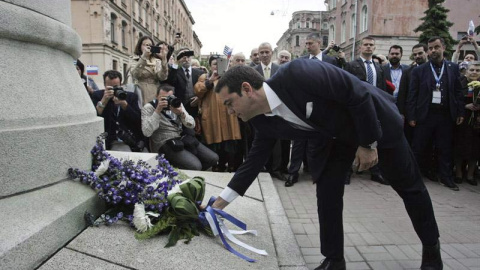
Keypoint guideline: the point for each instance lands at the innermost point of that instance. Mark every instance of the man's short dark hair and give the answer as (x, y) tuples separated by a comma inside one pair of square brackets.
[(434, 38), (420, 45), (237, 75), (166, 88), (314, 36), (396, 47), (138, 48), (112, 74)]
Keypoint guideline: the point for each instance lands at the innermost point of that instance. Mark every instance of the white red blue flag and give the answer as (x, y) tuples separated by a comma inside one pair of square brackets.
[(227, 51), (92, 70)]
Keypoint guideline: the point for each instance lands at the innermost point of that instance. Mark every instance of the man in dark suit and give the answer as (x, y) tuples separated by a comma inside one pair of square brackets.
[(254, 57), (300, 147), (346, 119), (394, 70), (419, 52), (368, 71), (278, 162), (121, 114), (183, 78), (434, 105)]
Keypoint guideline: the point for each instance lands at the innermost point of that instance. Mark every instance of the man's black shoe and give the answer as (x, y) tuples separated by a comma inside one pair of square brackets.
[(431, 258), (472, 182), (379, 178), (329, 264), (449, 184), (278, 175), (291, 180)]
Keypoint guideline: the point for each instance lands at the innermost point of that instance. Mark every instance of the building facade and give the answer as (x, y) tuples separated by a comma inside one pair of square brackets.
[(390, 23), (110, 29), (303, 23)]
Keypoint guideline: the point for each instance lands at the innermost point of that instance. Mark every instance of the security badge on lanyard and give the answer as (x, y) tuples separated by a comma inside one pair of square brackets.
[(437, 94)]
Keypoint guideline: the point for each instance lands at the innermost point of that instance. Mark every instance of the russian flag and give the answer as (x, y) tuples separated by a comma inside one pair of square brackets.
[(92, 70)]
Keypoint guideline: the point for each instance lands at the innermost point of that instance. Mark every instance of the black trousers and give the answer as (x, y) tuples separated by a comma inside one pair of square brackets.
[(397, 164)]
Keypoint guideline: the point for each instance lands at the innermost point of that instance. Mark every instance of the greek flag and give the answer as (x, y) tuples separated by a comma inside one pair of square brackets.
[(227, 51)]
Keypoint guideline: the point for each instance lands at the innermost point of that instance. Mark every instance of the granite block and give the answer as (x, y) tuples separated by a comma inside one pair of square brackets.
[(67, 259)]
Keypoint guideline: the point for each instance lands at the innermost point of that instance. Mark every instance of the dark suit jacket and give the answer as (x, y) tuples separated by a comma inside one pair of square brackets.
[(403, 90), (422, 83), (272, 72), (357, 68), (176, 78), (327, 59), (129, 119), (337, 106)]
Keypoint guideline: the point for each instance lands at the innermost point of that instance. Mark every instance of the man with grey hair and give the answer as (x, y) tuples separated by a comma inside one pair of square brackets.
[(284, 56), (254, 57), (238, 59)]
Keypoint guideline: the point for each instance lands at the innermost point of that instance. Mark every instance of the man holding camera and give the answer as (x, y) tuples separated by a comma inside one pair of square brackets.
[(182, 77), (170, 128), (121, 114)]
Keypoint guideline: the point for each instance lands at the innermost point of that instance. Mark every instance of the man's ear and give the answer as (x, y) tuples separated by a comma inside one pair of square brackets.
[(247, 88)]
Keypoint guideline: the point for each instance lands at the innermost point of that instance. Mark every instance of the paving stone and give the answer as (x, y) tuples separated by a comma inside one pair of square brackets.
[(352, 255)]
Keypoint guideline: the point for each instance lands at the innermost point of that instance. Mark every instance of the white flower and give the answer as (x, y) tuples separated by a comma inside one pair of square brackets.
[(176, 188), (140, 218), (102, 168)]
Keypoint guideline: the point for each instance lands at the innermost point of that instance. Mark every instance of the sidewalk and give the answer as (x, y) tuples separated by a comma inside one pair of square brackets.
[(378, 232)]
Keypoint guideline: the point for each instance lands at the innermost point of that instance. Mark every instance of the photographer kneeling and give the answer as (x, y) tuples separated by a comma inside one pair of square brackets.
[(170, 129), (121, 114)]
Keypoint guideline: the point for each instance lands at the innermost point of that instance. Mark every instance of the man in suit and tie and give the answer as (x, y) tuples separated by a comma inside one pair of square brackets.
[(312, 44), (394, 70), (182, 77), (434, 105), (279, 160), (368, 71), (349, 121)]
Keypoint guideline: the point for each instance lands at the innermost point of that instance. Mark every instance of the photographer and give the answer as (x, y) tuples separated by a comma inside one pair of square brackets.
[(164, 121), (121, 114), (468, 56)]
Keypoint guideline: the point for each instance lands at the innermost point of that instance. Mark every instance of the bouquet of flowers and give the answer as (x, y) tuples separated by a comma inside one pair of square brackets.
[(143, 196)]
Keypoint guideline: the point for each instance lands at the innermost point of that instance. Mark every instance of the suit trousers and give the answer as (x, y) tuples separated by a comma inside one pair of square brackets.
[(397, 164), (298, 152), (437, 127)]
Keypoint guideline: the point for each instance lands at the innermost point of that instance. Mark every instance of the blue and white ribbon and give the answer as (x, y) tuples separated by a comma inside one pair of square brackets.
[(219, 228)]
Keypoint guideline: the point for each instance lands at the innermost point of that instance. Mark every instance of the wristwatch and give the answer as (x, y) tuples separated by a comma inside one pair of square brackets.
[(370, 146), (100, 104)]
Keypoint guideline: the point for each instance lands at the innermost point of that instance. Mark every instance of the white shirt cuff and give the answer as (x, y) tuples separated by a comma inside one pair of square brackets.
[(229, 194)]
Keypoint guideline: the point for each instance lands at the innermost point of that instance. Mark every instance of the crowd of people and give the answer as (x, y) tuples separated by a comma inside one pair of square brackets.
[(168, 106)]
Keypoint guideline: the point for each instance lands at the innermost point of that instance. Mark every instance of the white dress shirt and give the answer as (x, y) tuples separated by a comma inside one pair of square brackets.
[(319, 56)]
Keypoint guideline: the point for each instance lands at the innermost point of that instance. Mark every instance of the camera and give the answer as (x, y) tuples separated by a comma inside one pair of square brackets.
[(173, 101), (155, 49), (336, 48), (119, 92), (129, 139), (185, 53)]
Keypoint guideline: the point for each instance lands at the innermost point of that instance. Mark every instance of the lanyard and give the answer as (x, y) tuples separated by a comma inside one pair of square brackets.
[(437, 78)]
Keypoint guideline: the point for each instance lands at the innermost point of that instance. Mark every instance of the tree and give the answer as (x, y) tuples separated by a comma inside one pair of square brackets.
[(435, 23)]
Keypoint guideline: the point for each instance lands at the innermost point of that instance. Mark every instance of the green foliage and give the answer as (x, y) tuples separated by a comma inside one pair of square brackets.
[(435, 23), (163, 225)]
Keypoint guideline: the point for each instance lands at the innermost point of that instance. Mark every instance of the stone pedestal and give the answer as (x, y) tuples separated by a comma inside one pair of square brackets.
[(47, 124)]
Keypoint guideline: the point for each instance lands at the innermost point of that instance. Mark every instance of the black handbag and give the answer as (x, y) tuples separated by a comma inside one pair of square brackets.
[(175, 144)]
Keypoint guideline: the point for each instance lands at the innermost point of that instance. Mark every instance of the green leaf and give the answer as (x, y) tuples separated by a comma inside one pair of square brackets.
[(163, 225), (173, 237)]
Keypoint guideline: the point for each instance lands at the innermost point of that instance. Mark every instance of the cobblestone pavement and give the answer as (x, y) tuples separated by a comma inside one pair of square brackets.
[(378, 232)]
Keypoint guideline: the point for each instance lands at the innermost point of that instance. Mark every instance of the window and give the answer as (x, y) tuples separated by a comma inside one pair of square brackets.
[(115, 65), (325, 41), (353, 27), (147, 16), (113, 20), (342, 38), (333, 4), (460, 35), (308, 25), (125, 68), (332, 33), (297, 41), (364, 19), (325, 26), (124, 28), (298, 24)]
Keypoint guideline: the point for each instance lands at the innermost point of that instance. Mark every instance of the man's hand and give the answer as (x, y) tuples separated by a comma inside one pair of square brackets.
[(459, 120), (472, 107), (330, 45), (162, 104), (412, 123), (178, 111), (122, 103), (194, 102), (341, 54), (107, 95), (163, 53), (365, 158), (220, 203)]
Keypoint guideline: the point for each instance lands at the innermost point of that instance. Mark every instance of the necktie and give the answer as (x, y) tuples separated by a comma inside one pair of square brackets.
[(187, 73), (369, 72), (314, 57), (266, 73)]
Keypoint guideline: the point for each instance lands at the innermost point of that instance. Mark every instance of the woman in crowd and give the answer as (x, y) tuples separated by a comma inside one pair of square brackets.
[(89, 83), (148, 69), (467, 135), (221, 131)]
